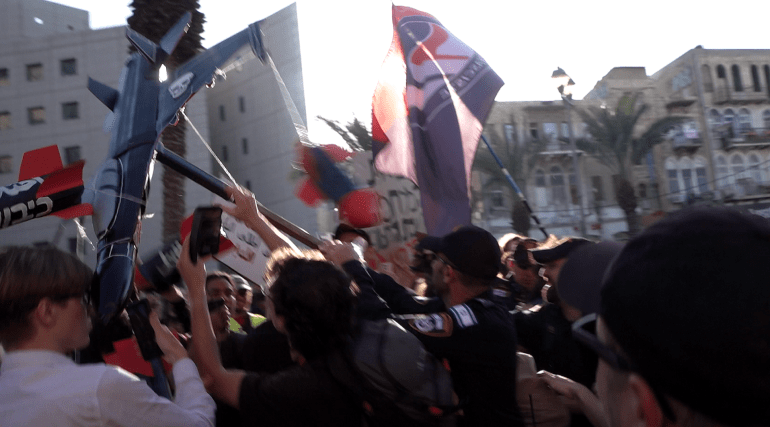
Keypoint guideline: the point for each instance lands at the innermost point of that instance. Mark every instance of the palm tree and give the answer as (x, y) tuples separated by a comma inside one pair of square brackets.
[(518, 159), (152, 19), (613, 144)]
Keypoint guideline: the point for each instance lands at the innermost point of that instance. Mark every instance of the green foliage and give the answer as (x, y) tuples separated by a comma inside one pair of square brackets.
[(518, 159), (613, 144), (355, 133), (612, 139)]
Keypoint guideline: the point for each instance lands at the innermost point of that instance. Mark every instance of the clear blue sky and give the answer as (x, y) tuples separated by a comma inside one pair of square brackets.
[(343, 42)]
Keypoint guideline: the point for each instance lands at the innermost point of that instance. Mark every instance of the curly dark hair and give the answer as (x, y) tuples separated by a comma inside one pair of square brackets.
[(317, 302)]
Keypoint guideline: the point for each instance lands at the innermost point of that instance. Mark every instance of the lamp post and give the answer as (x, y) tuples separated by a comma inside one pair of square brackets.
[(564, 84)]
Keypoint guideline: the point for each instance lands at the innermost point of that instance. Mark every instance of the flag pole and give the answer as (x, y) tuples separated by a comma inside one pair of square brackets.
[(515, 187)]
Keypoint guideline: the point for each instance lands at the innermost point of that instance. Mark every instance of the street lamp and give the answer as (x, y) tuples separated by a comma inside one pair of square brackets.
[(564, 84)]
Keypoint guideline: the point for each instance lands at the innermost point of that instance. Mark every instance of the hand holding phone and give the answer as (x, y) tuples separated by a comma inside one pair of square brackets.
[(206, 230)]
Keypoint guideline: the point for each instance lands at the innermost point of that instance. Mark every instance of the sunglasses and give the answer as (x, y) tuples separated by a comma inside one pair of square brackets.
[(581, 331)]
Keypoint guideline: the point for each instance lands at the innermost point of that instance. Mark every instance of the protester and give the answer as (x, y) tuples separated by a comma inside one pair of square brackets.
[(475, 335), (312, 302), (243, 299), (683, 333), (43, 319), (525, 272)]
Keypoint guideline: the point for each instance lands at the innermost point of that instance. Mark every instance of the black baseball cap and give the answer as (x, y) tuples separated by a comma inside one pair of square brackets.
[(688, 301), (553, 249), (470, 249), (346, 228), (580, 279)]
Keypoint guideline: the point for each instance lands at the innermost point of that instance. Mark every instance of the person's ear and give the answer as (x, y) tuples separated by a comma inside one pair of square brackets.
[(45, 313), (646, 408)]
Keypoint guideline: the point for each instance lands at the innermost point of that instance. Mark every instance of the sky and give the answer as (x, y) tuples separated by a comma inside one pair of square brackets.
[(343, 42)]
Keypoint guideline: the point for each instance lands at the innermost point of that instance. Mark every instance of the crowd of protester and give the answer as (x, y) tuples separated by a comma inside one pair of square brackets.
[(670, 328)]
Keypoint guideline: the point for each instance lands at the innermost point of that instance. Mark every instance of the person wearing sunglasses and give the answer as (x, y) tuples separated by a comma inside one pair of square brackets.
[(44, 318), (463, 325), (683, 329)]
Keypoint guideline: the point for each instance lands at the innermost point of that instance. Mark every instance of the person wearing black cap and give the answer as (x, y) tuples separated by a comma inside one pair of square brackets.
[(683, 331), (545, 333), (475, 335)]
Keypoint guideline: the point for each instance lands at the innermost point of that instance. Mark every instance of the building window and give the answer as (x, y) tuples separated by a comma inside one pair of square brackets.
[(767, 78), (533, 130), (721, 74), (705, 72), (69, 111), (241, 104), (4, 78), (69, 67), (36, 115), (737, 84), (722, 172), (755, 78), (755, 171), (221, 113), (564, 130), (496, 199), (558, 187), (765, 120), (673, 181), (703, 185), (744, 121), (715, 119), (509, 131), (550, 131), (642, 190), (6, 164), (71, 154), (597, 187), (5, 120), (687, 180), (224, 153), (34, 72), (245, 145)]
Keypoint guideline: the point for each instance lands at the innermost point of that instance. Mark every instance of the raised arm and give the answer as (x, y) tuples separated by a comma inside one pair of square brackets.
[(246, 210), (222, 384)]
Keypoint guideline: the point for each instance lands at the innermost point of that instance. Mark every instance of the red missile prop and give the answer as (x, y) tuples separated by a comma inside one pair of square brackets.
[(45, 187), (359, 207)]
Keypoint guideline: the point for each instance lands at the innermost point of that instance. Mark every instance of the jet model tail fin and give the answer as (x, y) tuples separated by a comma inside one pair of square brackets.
[(172, 37), (104, 93), (154, 53), (40, 162)]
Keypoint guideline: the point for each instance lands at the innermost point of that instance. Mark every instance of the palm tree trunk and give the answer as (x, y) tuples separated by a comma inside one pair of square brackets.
[(152, 19), (627, 202)]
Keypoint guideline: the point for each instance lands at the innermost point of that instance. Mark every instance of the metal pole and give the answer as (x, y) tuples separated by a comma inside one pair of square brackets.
[(578, 179), (514, 186)]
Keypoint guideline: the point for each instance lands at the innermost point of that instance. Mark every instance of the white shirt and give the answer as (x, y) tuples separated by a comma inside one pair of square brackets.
[(44, 388)]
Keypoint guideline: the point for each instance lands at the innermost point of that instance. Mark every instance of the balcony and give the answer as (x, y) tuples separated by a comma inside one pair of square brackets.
[(723, 95), (746, 137)]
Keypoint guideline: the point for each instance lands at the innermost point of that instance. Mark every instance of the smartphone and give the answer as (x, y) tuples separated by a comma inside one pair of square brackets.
[(206, 230)]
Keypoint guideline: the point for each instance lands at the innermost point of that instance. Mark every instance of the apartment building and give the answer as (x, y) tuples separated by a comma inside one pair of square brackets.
[(47, 53)]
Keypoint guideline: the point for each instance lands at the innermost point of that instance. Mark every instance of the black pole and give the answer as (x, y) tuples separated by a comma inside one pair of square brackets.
[(515, 187), (217, 186)]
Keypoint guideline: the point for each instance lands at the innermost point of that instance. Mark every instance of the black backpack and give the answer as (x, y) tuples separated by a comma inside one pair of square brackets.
[(399, 382)]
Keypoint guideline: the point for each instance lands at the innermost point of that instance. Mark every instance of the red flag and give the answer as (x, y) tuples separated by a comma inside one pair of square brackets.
[(428, 111)]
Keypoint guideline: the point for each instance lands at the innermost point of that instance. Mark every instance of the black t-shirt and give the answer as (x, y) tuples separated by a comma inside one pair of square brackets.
[(265, 350), (302, 396), (477, 338)]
